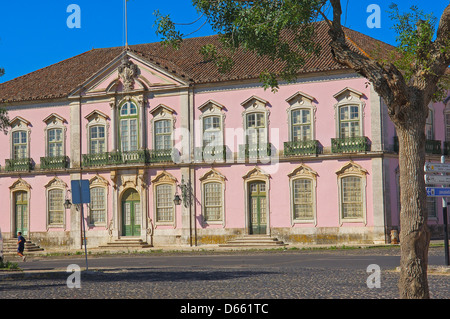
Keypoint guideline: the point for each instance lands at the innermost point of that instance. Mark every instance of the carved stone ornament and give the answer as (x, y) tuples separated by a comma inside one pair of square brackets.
[(127, 72)]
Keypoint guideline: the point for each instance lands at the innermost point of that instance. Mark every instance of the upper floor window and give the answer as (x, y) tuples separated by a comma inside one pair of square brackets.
[(429, 125), (97, 139), (55, 135), (163, 122), (128, 127), (256, 128), (97, 128), (349, 121), (212, 131), (163, 134), (55, 142), (301, 125), (301, 117), (256, 120), (349, 113), (20, 144), (20, 138)]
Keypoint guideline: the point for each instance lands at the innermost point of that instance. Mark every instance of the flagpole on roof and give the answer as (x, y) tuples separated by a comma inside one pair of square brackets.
[(126, 25)]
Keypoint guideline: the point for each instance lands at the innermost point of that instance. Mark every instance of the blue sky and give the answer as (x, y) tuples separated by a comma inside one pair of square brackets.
[(34, 34)]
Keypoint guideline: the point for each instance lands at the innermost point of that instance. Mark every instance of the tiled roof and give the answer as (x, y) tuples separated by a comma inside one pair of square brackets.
[(60, 79)]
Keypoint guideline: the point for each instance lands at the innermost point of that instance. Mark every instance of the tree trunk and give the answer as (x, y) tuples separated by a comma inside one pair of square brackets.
[(414, 233)]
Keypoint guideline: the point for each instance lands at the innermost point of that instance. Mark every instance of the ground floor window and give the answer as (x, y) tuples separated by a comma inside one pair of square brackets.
[(164, 203)]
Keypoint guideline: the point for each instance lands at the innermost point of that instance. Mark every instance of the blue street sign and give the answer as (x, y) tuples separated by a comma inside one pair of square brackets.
[(80, 192), (438, 191)]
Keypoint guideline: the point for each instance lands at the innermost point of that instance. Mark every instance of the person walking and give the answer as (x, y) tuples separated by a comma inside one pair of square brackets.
[(21, 245)]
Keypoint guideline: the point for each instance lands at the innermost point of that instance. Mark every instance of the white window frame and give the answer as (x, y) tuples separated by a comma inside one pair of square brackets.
[(301, 101), (303, 172), (55, 122), (99, 182), (213, 176), (346, 98), (19, 124), (164, 178), (352, 169), (128, 118), (212, 109), (162, 112), (97, 118), (256, 105), (429, 124), (55, 184)]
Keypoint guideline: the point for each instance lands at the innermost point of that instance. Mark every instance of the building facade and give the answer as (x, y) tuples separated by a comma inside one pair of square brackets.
[(178, 154)]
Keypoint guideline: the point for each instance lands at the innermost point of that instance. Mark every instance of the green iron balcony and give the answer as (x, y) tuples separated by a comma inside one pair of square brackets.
[(350, 144), (254, 151), (301, 148), (431, 147), (211, 153), (19, 165), (54, 162), (160, 156), (131, 157)]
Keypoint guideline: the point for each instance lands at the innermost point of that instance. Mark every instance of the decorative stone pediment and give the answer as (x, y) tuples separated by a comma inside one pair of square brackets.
[(164, 177), (129, 181), (54, 119), (211, 106), (96, 116), (162, 110), (256, 173), (56, 182), (20, 184), (352, 168), (303, 170), (348, 94), (19, 121), (300, 99), (255, 103), (213, 174), (128, 71), (98, 180)]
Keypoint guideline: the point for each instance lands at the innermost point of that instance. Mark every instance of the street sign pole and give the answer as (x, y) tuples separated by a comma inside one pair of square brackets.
[(81, 196), (444, 213)]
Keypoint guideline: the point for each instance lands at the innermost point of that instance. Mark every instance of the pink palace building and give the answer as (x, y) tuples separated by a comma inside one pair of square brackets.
[(177, 153)]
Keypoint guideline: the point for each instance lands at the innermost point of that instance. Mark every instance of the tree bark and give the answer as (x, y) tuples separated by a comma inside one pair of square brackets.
[(414, 233)]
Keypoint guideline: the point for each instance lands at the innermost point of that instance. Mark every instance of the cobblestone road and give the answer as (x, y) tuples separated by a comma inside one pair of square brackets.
[(217, 282)]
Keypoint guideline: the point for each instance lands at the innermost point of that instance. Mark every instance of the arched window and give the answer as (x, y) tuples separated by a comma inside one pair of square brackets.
[(128, 127)]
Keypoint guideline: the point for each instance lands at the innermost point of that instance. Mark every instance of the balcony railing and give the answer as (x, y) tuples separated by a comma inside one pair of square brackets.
[(19, 165), (211, 153), (255, 151), (301, 148), (431, 147), (131, 157), (160, 156), (54, 162), (350, 144)]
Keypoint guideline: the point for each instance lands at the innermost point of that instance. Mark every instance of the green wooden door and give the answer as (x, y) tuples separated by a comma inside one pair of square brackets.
[(131, 214), (257, 208), (21, 212)]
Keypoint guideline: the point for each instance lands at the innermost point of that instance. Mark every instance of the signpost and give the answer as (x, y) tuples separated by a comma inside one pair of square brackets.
[(81, 195), (444, 192)]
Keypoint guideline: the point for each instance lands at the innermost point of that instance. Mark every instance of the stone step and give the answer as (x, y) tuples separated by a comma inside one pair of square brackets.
[(126, 243), (10, 246), (254, 241)]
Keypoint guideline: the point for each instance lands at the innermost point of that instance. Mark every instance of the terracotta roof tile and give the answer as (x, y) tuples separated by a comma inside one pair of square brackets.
[(60, 79)]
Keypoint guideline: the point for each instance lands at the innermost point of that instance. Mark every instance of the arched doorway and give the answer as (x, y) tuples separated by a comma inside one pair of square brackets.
[(131, 213), (21, 212)]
